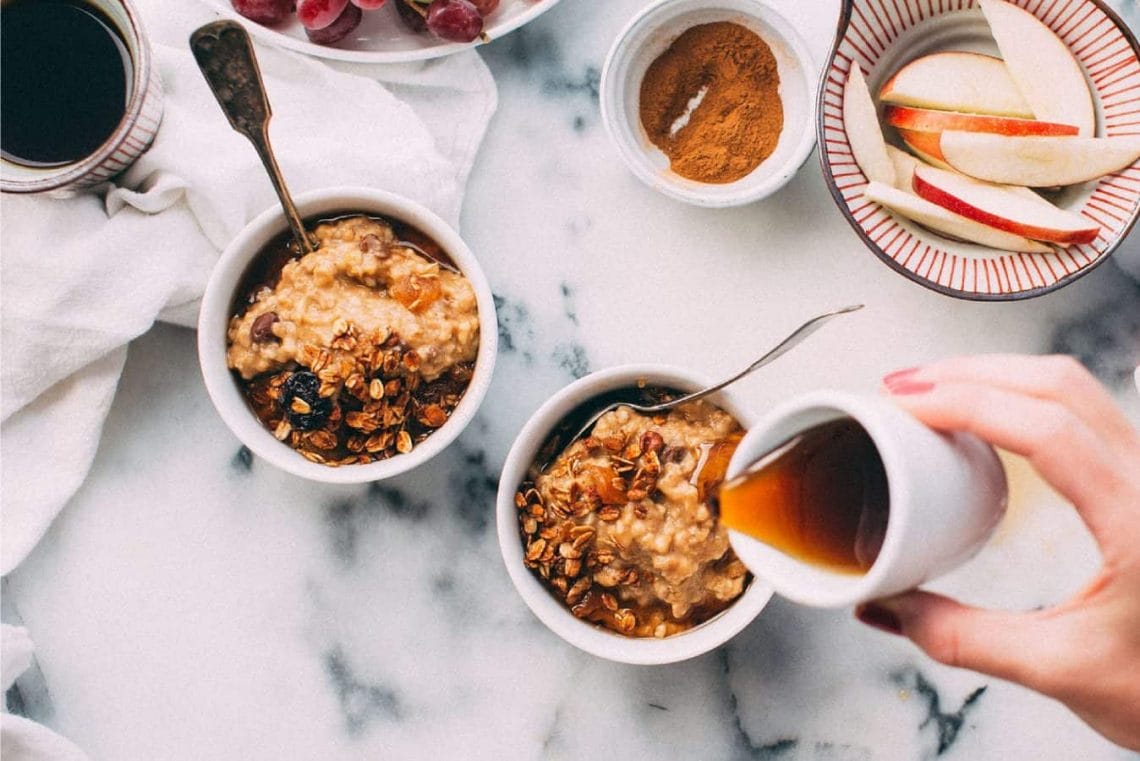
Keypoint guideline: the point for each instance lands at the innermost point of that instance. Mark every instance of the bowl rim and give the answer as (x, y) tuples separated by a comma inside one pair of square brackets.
[(215, 312), (841, 203), (583, 635), (620, 51)]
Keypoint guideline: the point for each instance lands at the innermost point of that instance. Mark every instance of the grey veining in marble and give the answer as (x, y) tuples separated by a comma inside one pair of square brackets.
[(194, 603)]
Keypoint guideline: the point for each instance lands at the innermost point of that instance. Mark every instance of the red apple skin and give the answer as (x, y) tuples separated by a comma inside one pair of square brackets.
[(934, 194), (928, 143), (930, 120)]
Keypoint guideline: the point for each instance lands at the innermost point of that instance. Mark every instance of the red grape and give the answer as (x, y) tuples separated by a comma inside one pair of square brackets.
[(412, 19), (485, 7), (268, 12), (318, 14), (348, 20), (369, 5), (455, 20)]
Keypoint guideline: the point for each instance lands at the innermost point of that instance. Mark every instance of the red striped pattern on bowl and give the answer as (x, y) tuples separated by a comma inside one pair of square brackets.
[(133, 138), (870, 31)]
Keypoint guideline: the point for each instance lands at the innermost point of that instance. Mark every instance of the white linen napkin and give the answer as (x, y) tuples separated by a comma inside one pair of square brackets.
[(82, 277)]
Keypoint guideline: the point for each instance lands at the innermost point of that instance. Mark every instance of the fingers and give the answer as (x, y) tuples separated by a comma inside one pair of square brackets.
[(1059, 444), (1014, 646), (1071, 653), (1057, 378)]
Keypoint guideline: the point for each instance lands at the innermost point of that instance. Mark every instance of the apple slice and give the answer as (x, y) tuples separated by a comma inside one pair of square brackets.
[(999, 206), (904, 168), (928, 120), (926, 145), (904, 175), (947, 222), (1046, 73), (957, 81), (861, 122), (1037, 161)]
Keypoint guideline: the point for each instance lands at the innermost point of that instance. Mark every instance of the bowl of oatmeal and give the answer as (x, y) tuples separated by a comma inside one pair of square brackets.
[(612, 539), (359, 360)]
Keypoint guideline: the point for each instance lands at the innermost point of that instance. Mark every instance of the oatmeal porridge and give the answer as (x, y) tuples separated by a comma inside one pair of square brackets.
[(621, 528), (357, 350)]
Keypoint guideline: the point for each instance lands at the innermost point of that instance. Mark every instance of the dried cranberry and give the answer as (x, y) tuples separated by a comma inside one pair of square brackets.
[(302, 403)]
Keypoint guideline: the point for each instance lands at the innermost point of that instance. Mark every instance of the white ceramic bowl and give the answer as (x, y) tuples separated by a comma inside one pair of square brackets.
[(223, 386), (647, 36), (582, 634)]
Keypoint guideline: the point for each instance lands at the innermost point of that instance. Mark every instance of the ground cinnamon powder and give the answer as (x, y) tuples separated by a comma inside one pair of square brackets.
[(739, 116)]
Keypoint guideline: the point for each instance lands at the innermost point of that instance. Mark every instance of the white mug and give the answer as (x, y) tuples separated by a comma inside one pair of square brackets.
[(947, 493), (131, 138)]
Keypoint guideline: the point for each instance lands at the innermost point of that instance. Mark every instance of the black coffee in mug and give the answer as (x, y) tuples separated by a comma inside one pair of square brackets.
[(65, 71)]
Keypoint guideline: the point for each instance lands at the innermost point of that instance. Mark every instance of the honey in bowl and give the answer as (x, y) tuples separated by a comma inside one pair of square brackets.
[(821, 497)]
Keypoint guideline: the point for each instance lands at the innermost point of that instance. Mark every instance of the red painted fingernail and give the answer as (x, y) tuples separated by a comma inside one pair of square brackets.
[(899, 375), (906, 388), (878, 617)]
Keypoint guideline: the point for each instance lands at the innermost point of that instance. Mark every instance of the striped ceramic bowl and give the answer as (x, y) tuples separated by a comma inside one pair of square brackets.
[(883, 35), (130, 139)]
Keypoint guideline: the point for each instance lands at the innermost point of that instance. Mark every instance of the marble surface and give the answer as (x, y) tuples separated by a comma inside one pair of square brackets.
[(194, 603)]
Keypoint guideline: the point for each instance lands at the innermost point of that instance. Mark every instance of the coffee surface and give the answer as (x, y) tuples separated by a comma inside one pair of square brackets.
[(64, 71)]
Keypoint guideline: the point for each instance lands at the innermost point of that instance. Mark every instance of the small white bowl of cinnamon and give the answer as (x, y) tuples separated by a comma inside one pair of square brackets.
[(710, 101)]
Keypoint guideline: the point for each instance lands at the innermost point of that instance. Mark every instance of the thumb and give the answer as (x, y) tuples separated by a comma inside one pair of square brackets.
[(1012, 646)]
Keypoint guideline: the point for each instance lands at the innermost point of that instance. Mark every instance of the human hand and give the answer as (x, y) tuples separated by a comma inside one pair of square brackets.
[(1085, 651)]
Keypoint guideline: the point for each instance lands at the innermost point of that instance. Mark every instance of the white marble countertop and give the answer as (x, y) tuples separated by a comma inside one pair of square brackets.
[(194, 603)]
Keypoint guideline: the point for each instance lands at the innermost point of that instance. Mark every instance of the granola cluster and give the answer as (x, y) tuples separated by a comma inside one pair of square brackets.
[(620, 528), (375, 402)]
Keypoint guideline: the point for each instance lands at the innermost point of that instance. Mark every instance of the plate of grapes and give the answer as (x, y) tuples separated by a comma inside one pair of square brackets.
[(381, 31)]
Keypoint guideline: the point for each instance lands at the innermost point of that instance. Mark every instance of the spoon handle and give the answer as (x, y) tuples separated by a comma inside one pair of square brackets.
[(225, 55), (794, 339)]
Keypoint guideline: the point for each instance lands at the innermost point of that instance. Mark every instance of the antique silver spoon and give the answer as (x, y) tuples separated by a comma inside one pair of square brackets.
[(582, 419), (225, 56)]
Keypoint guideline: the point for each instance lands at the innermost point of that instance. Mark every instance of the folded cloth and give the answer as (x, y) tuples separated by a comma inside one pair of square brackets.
[(82, 277)]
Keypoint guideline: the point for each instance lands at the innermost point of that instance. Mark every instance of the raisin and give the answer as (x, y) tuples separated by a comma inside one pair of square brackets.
[(651, 441), (305, 387), (261, 331)]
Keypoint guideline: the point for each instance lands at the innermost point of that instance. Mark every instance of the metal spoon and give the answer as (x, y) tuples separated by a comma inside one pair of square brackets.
[(225, 56), (582, 418)]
